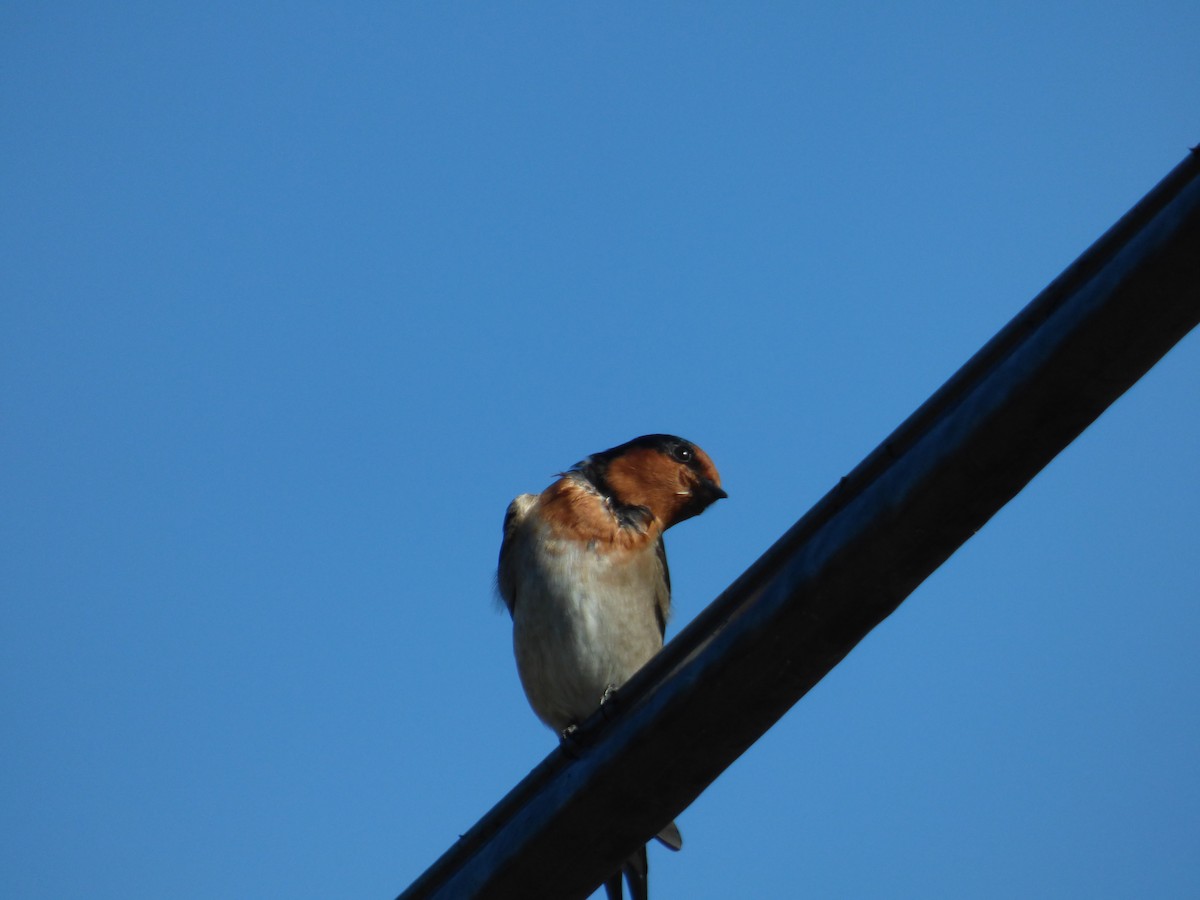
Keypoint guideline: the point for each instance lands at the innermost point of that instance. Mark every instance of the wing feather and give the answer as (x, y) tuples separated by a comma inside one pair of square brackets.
[(662, 599), (514, 533)]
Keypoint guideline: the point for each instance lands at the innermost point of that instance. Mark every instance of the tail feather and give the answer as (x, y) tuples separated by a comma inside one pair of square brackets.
[(670, 837), (636, 869)]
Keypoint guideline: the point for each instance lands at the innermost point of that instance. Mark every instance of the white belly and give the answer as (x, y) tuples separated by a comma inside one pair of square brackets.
[(584, 622)]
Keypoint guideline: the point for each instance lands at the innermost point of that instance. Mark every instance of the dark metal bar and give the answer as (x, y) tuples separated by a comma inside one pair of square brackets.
[(846, 565)]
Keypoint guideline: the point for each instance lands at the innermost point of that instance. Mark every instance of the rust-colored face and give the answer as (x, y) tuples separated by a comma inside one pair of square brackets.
[(671, 477), (650, 483)]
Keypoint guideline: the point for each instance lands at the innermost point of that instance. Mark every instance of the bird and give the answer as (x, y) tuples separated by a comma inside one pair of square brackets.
[(583, 573)]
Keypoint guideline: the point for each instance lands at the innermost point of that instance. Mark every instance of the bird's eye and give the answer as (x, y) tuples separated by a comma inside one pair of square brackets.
[(683, 453)]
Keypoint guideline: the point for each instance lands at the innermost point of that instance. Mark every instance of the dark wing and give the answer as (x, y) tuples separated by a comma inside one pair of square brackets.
[(506, 576), (662, 604)]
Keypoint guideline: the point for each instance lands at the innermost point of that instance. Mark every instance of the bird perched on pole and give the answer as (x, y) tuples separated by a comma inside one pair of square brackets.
[(583, 572)]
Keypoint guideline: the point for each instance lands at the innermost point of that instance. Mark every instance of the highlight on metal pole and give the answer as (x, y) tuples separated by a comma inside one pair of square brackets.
[(845, 566)]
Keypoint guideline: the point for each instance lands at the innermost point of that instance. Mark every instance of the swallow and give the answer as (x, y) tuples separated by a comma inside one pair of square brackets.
[(583, 572)]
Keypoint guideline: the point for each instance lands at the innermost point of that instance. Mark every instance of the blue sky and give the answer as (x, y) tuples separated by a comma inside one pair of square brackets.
[(296, 297)]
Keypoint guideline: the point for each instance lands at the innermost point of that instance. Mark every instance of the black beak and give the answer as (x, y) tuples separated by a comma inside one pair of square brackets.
[(708, 491), (704, 494)]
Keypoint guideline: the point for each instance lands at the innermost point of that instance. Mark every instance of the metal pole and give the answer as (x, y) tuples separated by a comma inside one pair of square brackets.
[(846, 565)]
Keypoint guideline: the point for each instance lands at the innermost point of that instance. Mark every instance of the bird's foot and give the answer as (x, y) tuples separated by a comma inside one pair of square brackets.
[(568, 740), (610, 704)]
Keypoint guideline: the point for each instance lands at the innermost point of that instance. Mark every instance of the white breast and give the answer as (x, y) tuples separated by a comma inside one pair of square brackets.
[(583, 621)]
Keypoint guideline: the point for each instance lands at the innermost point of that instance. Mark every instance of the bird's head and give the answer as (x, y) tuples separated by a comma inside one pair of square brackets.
[(671, 478)]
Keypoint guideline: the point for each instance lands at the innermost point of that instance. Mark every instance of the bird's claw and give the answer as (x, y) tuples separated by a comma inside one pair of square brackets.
[(568, 741)]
